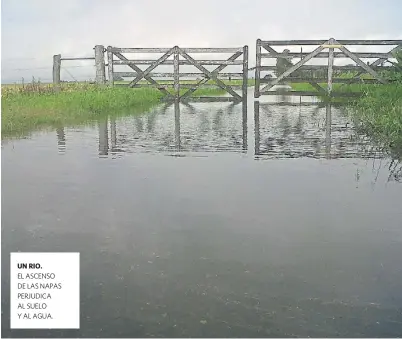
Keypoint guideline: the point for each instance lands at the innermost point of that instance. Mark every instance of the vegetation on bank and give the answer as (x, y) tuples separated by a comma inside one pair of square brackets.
[(377, 112), (36, 106)]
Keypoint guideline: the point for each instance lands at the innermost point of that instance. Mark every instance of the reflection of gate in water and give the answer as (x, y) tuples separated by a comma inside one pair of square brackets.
[(284, 130), (206, 128), (315, 131)]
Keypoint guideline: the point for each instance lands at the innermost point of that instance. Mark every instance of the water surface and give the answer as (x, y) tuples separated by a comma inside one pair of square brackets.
[(213, 220)]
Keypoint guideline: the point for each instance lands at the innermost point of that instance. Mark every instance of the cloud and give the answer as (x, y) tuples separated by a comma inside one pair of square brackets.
[(34, 30)]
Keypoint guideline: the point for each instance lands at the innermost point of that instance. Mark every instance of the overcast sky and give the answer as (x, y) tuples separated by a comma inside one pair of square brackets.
[(34, 30)]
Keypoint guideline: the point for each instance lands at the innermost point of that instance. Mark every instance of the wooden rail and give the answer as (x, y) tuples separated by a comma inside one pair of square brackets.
[(99, 64), (302, 72)]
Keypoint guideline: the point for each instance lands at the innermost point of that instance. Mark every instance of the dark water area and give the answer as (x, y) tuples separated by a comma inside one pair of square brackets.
[(213, 220)]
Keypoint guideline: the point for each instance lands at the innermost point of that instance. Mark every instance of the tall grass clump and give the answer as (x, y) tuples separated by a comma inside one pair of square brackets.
[(378, 113), (28, 109)]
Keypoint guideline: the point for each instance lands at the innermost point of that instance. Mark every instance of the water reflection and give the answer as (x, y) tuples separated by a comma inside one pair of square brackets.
[(103, 137), (316, 131), (328, 124), (177, 124), (177, 127), (225, 246), (61, 139), (283, 129)]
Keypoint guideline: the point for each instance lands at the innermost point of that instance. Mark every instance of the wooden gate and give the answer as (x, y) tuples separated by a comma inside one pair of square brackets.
[(176, 56), (320, 74)]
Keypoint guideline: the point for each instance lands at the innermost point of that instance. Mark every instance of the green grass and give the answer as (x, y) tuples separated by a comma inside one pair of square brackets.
[(25, 112), (37, 107), (379, 114)]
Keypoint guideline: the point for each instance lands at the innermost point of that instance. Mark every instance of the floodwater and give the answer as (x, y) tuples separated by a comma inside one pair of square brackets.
[(213, 220)]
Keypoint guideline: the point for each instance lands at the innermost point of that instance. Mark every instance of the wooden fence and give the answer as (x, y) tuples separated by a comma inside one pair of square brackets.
[(181, 56), (57, 63), (317, 75)]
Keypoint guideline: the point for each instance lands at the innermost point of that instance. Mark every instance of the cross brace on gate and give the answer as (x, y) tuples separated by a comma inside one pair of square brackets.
[(214, 78), (331, 45)]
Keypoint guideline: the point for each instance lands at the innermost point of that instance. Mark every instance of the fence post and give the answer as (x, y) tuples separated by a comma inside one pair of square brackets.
[(330, 66), (245, 74), (56, 72), (176, 75), (110, 66), (100, 64), (257, 69)]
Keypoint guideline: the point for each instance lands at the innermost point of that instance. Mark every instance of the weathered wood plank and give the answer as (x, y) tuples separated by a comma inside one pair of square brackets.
[(181, 62), (245, 75), (140, 50), (110, 66), (83, 58), (182, 74), (100, 77), (210, 75), (321, 42), (325, 80), (325, 55), (139, 70), (215, 72), (56, 72), (155, 64), (270, 50), (377, 62), (311, 82), (158, 86), (294, 68), (257, 74), (363, 65), (171, 85), (330, 66), (187, 50), (292, 42), (176, 72), (213, 50), (324, 67)]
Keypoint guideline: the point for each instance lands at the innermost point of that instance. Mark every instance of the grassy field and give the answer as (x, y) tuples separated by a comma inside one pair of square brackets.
[(35, 106)]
